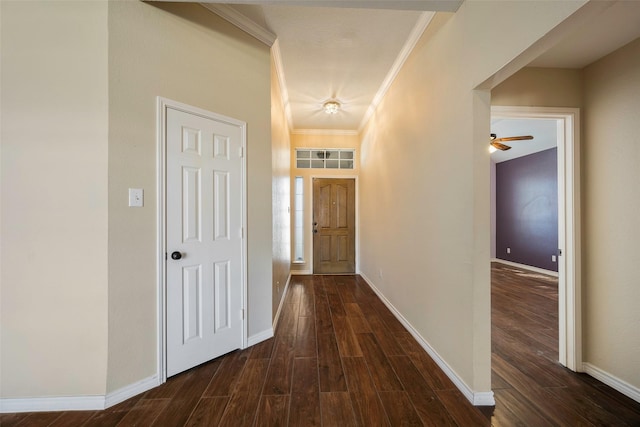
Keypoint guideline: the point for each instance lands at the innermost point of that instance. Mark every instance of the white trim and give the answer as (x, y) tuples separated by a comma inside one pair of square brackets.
[(284, 294), (161, 350), (526, 267), (421, 25), (259, 337), (131, 390), (301, 272), (78, 403), (569, 263), (162, 105), (236, 18), (45, 404), (612, 381), (338, 132), (484, 398)]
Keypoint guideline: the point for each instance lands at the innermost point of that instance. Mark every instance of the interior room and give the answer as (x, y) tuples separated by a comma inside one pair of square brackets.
[(264, 212)]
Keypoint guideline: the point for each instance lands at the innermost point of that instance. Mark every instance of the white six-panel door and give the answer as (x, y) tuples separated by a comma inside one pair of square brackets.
[(203, 239)]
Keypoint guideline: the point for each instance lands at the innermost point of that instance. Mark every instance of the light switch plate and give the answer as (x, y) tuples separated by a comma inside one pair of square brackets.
[(136, 197)]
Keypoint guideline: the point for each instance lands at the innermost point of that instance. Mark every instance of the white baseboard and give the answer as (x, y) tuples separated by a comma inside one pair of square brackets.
[(301, 272), (476, 398), (526, 267), (259, 337), (131, 390), (612, 381), (45, 404), (77, 403), (284, 294)]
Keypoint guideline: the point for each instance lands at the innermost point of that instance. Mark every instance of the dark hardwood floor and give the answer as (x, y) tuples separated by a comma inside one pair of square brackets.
[(340, 358), (530, 386)]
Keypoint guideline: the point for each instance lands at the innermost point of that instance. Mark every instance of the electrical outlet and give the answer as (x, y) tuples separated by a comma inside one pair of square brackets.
[(508, 250)]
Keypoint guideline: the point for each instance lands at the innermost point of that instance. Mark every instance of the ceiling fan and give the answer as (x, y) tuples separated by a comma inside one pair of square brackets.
[(498, 142)]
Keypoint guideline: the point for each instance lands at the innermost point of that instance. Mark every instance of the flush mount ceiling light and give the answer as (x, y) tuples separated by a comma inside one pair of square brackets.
[(331, 107)]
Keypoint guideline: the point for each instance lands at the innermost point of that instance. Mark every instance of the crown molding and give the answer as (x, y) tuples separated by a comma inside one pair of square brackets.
[(418, 29), (239, 20)]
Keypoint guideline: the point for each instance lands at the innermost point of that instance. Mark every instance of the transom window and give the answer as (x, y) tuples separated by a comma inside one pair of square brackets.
[(329, 158)]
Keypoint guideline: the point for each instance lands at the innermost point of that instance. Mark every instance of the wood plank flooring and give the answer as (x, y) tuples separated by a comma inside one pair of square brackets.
[(531, 388), (340, 358)]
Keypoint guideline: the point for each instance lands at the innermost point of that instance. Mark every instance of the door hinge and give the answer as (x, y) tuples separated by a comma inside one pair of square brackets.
[(165, 256), (241, 232), (241, 151), (242, 313)]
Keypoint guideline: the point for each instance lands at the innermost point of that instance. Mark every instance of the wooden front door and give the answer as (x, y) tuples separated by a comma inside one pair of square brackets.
[(334, 226)]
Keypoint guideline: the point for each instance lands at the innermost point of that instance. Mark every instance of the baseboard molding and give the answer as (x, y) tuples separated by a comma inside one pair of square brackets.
[(526, 267), (259, 337), (612, 381), (77, 403), (131, 390), (476, 398), (46, 404), (301, 272), (284, 294)]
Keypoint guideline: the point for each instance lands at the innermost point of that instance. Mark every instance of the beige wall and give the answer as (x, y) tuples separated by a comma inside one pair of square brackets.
[(540, 87), (187, 54), (53, 284), (281, 192), (424, 179), (79, 268), (317, 139), (611, 214)]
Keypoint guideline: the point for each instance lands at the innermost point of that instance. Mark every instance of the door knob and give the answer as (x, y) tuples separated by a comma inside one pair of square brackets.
[(176, 255)]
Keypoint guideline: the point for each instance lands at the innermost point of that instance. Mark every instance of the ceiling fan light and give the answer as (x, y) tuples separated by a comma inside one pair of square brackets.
[(331, 107)]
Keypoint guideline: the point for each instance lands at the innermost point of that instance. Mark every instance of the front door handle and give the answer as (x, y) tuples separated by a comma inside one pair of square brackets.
[(176, 255)]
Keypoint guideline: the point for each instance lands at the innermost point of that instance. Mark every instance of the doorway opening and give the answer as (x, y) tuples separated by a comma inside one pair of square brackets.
[(567, 257)]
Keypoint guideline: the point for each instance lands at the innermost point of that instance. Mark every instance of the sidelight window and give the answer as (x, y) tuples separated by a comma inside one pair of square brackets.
[(298, 220)]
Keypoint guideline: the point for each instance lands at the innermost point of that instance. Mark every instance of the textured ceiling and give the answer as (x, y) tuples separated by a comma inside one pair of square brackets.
[(352, 53), (618, 25), (336, 54)]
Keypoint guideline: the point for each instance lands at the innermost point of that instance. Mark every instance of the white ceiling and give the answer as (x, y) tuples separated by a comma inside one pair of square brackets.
[(337, 54), (618, 25), (544, 132), (352, 54)]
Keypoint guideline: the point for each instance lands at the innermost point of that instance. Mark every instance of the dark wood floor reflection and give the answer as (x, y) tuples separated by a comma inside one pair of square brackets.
[(340, 358)]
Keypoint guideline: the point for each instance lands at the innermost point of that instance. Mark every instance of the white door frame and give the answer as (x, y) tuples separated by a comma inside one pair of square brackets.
[(162, 105), (569, 267)]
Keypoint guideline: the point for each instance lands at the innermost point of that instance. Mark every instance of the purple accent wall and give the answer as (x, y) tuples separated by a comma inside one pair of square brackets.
[(527, 209)]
